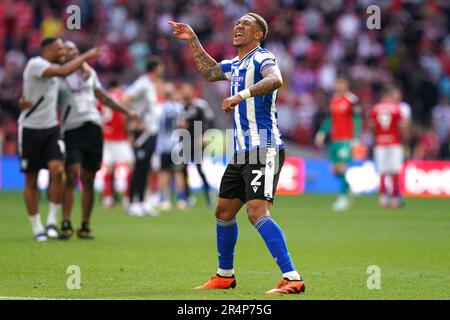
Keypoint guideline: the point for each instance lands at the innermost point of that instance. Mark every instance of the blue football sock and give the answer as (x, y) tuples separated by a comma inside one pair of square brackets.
[(227, 234), (181, 196), (163, 196), (276, 242)]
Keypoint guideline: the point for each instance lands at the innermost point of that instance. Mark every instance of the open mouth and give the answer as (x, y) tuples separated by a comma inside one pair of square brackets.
[(238, 35)]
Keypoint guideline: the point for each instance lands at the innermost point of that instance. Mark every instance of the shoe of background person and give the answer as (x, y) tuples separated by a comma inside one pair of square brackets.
[(383, 201), (396, 202), (135, 210), (125, 202), (149, 209), (84, 233), (66, 230), (342, 203), (182, 205), (41, 237), (52, 231), (153, 198), (287, 286), (108, 202), (164, 206), (218, 282)]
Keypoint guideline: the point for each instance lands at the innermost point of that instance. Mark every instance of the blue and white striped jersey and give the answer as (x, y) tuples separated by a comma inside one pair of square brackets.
[(255, 119), (170, 115)]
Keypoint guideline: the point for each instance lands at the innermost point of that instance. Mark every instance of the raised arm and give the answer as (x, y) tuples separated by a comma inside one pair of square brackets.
[(206, 65), (127, 99), (61, 71), (106, 99)]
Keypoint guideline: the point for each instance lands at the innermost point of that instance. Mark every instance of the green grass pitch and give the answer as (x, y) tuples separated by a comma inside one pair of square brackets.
[(163, 258)]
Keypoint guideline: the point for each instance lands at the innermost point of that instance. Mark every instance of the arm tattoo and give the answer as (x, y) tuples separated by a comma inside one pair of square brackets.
[(107, 100), (272, 80), (207, 66)]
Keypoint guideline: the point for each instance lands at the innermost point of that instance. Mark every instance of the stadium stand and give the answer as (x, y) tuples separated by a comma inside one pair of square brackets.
[(313, 41)]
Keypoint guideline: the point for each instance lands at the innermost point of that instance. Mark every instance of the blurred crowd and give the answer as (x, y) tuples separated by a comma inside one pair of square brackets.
[(312, 40)]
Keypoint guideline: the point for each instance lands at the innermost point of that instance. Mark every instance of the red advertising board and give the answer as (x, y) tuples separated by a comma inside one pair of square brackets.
[(425, 179), (292, 176)]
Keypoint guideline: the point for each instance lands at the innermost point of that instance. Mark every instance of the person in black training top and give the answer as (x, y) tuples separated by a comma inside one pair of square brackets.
[(142, 97), (196, 110)]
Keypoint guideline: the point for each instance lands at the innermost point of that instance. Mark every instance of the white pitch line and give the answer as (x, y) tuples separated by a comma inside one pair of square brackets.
[(32, 298)]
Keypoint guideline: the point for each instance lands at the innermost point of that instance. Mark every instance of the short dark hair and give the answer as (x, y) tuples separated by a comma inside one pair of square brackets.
[(262, 24), (343, 76), (47, 41), (152, 63), (388, 89), (114, 81)]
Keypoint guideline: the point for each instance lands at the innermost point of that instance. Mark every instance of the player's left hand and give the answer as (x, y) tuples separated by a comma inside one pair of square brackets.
[(134, 116), (24, 104), (229, 103)]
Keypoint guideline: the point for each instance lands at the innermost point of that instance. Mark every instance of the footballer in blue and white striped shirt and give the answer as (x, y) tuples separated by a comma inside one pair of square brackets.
[(252, 175)]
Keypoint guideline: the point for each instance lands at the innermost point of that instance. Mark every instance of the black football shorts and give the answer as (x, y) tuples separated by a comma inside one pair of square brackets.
[(85, 146), (39, 146), (252, 175), (167, 164)]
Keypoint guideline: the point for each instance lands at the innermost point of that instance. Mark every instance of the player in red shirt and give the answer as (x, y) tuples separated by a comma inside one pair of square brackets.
[(116, 148), (343, 125), (387, 121)]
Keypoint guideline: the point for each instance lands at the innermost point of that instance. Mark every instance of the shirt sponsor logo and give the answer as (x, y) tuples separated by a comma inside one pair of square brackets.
[(426, 179)]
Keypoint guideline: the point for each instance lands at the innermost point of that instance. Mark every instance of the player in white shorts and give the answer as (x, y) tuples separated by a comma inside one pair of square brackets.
[(116, 148), (141, 96), (388, 120), (117, 152)]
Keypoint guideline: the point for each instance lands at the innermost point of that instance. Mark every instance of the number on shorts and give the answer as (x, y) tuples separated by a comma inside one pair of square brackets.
[(255, 181)]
